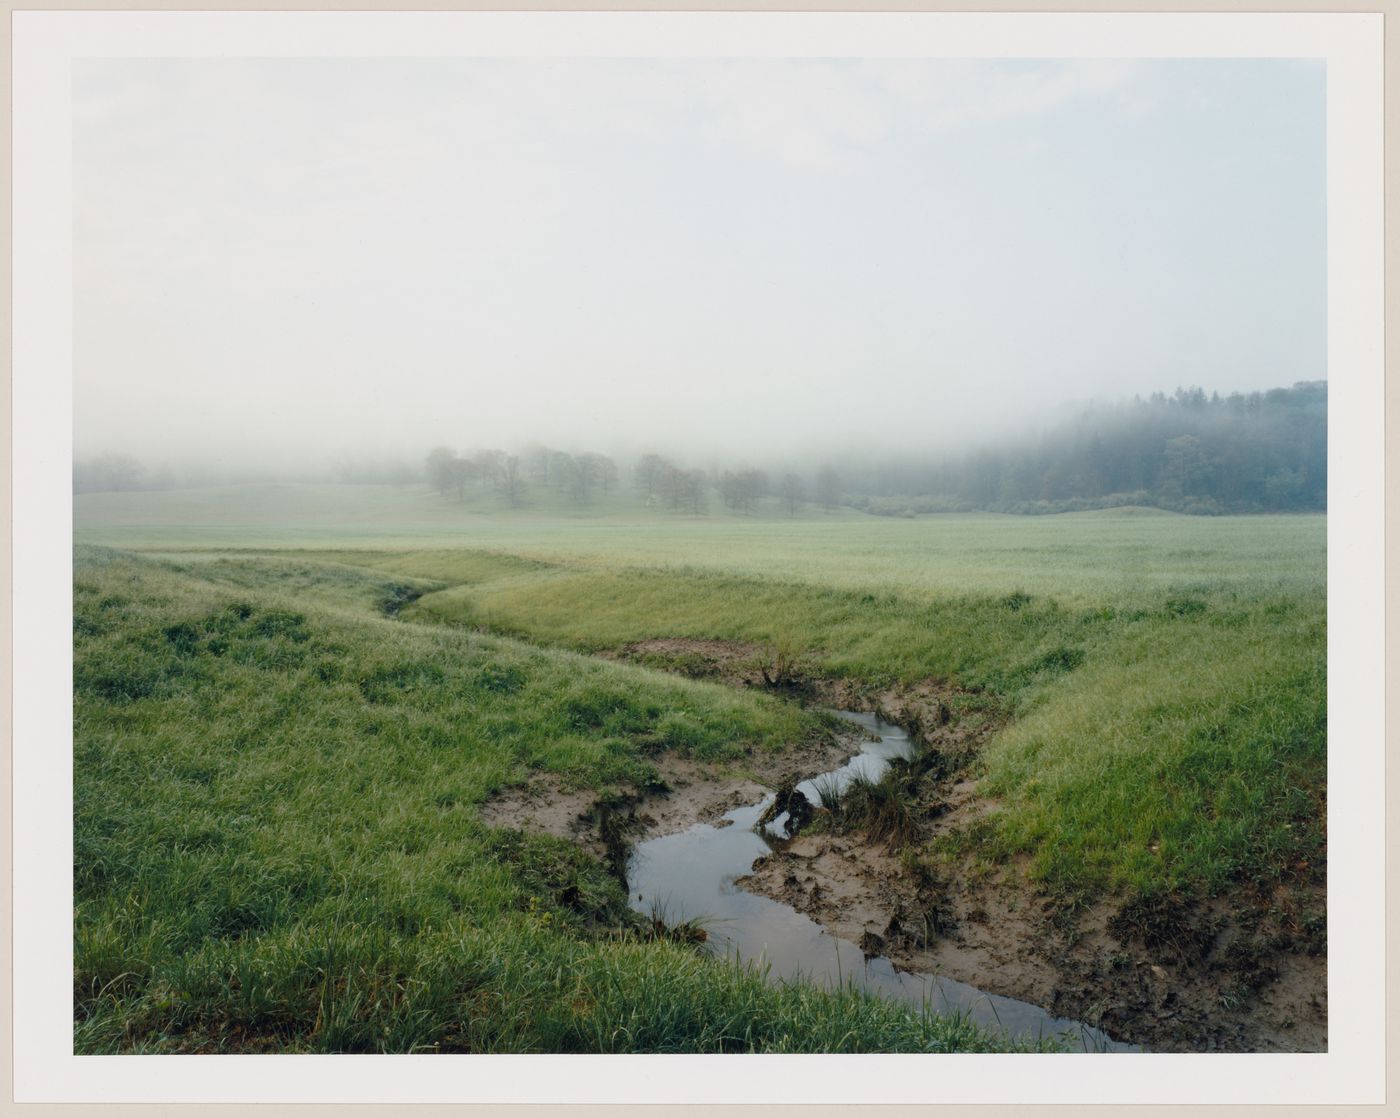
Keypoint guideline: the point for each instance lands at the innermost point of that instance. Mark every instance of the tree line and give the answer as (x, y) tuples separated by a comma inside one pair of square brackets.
[(658, 482), (1187, 452), (576, 476)]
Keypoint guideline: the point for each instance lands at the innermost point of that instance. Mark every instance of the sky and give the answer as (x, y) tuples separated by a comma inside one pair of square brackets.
[(279, 261)]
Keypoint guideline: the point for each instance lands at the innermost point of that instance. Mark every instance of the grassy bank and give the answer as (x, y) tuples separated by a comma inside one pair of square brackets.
[(277, 845), (1160, 738)]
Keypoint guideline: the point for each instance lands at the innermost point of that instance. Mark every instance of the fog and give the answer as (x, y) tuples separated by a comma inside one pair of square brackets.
[(283, 264)]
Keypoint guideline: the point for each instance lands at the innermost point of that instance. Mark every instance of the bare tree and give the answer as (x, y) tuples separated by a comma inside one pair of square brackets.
[(562, 469), (828, 488), (735, 492), (489, 464), (607, 473), (741, 490), (535, 459), (585, 477), (792, 493), (758, 483), (692, 490), (511, 482), (648, 473), (593, 470), (671, 486), (461, 471), (440, 468)]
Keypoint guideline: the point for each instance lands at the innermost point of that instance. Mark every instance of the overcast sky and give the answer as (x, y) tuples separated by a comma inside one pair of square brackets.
[(722, 256)]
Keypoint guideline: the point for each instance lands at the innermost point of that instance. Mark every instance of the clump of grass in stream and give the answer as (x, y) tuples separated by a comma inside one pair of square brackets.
[(783, 666), (829, 795), (614, 820), (277, 845), (661, 924), (884, 809)]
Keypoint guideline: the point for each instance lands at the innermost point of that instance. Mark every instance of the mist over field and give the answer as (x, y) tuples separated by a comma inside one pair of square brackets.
[(282, 266), (699, 555)]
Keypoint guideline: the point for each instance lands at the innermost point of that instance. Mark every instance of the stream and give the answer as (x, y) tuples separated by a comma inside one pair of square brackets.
[(691, 876)]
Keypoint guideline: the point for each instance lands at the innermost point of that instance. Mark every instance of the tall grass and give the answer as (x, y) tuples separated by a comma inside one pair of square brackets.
[(883, 808), (277, 843)]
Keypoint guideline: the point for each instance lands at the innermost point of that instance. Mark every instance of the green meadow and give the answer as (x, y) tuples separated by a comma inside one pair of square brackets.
[(290, 701), (277, 845)]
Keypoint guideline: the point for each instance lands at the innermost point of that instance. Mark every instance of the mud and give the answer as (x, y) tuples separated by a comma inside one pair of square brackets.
[(955, 722), (996, 933), (686, 880), (1247, 973), (732, 662), (697, 793)]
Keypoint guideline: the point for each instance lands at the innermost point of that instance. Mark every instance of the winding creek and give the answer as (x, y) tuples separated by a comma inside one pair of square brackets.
[(691, 876)]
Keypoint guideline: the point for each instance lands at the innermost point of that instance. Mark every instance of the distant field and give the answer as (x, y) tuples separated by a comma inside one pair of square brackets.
[(1118, 553), (1163, 677)]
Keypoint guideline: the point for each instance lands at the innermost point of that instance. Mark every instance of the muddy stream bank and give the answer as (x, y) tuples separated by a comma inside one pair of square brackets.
[(693, 876), (1246, 972)]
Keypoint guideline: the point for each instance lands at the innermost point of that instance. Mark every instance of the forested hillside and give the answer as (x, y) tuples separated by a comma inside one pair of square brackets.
[(1260, 452)]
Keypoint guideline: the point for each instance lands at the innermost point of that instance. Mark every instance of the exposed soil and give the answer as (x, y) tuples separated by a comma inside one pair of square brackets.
[(1173, 974), (697, 792), (733, 662), (933, 711), (1239, 990), (544, 806)]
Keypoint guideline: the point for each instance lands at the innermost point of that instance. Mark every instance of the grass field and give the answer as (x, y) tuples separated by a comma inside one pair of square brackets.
[(1087, 556), (277, 837), (277, 846)]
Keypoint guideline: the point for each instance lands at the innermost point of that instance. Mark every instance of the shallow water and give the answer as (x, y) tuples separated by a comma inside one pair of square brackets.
[(691, 875)]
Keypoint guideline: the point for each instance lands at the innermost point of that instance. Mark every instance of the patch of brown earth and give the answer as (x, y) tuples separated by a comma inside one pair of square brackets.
[(543, 805), (696, 792), (1248, 984), (1248, 976), (932, 710), (734, 662)]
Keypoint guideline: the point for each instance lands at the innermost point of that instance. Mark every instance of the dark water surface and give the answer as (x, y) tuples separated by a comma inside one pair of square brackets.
[(690, 876)]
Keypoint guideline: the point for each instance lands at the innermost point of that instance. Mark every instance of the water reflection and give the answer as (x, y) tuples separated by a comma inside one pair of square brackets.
[(691, 876)]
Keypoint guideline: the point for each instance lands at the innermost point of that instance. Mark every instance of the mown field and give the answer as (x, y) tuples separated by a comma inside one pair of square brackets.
[(277, 837)]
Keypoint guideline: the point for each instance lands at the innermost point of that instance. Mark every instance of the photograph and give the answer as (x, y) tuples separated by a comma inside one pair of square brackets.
[(623, 552)]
